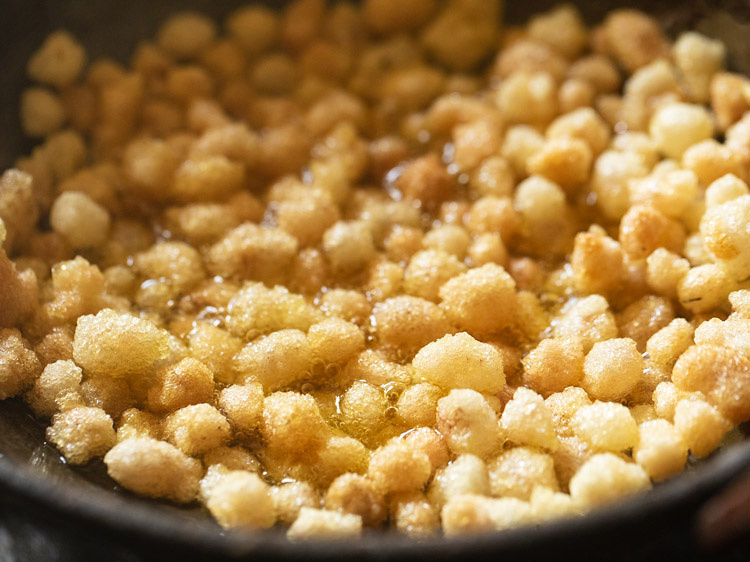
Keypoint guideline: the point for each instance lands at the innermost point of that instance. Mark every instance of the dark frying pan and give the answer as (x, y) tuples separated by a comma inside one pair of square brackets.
[(51, 512)]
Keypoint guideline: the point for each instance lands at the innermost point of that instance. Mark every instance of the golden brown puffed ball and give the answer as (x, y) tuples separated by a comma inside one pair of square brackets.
[(117, 344), (720, 373), (679, 126), (565, 161), (460, 361), (19, 365), (517, 471), (644, 229), (604, 478), (426, 180), (665, 346), (528, 98), (700, 425), (466, 474), (291, 497), (196, 429), (186, 382), (412, 514), (417, 404), (428, 270), (408, 323), (553, 365), (154, 468), (660, 450), (606, 426), (430, 442), (612, 368), (276, 360), (233, 458), (634, 38), (319, 524), (355, 494), (57, 377), (81, 433), (396, 467), (242, 500), (243, 406), (111, 395), (335, 341), (59, 61), (481, 301), (292, 423), (526, 420), (729, 100), (387, 17), (215, 348), (252, 252), (598, 263), (588, 320), (138, 423), (256, 310), (363, 409), (563, 406)]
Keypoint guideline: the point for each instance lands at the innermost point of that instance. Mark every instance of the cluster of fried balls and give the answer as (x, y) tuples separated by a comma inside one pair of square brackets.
[(391, 263)]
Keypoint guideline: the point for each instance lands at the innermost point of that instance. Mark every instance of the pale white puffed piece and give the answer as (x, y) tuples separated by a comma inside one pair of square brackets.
[(678, 126), (241, 500), (468, 422), (698, 58), (527, 420), (465, 475), (154, 468), (117, 344), (81, 433), (604, 478), (606, 426), (518, 471), (726, 188), (701, 425), (80, 219), (320, 524), (471, 514), (546, 504), (412, 514), (460, 361), (612, 369), (59, 61), (661, 450)]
